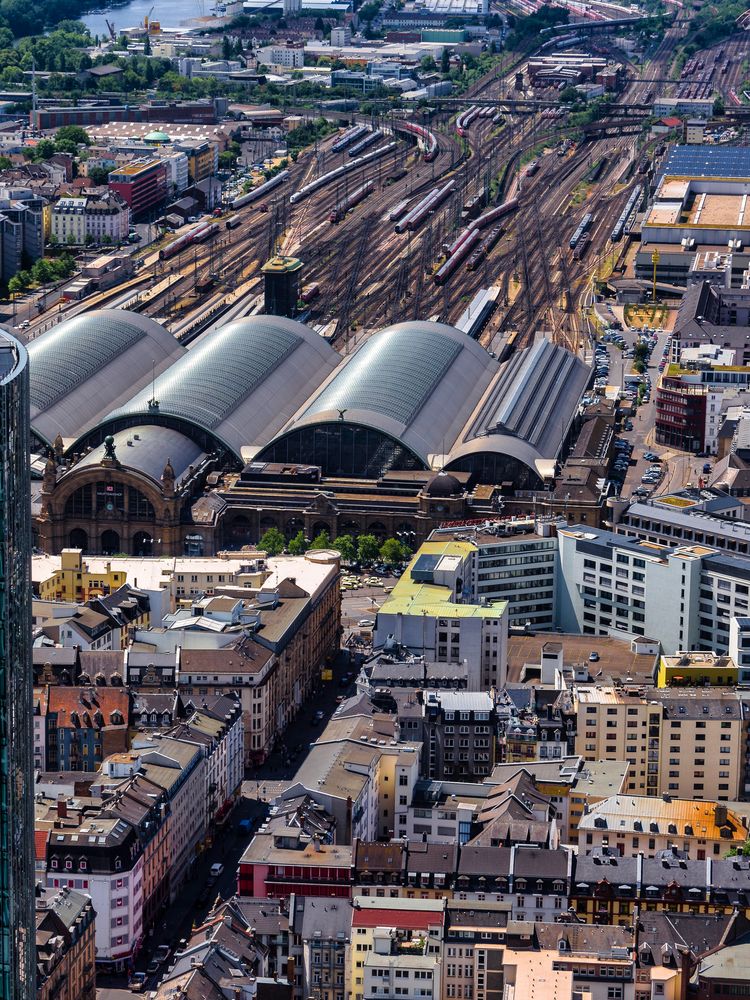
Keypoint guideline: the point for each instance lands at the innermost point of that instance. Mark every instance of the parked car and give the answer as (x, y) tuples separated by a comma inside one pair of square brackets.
[(216, 870), (137, 982), (318, 717), (366, 623), (153, 967), (706, 468)]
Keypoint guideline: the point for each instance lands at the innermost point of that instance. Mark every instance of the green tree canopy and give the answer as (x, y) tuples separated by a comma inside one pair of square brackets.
[(392, 551), (367, 548), (321, 541), (272, 542), (72, 134), (299, 544), (345, 545)]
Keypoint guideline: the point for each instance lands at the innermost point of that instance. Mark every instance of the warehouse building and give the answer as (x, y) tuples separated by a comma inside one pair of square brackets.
[(699, 218)]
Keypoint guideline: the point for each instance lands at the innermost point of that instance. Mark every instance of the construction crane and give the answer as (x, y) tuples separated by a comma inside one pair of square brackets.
[(147, 18), (111, 29)]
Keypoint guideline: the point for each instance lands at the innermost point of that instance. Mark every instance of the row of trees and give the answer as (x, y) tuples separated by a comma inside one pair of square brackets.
[(42, 272), (365, 549)]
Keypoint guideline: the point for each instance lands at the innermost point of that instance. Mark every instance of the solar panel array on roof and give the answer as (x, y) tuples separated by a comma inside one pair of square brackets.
[(709, 161), (406, 372), (74, 351)]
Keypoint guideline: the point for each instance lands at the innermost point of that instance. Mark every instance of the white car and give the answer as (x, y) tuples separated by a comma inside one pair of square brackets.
[(366, 623), (216, 869)]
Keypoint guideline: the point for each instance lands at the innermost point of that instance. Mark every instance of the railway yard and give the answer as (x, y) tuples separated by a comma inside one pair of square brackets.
[(404, 219)]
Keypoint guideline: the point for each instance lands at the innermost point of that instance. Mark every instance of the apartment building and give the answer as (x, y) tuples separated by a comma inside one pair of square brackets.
[(142, 185), (145, 806), (651, 728), (22, 229), (277, 865), (686, 595), (430, 613), (103, 858), (77, 221), (474, 943), (80, 726), (459, 734), (389, 936), (178, 767), (631, 823), (400, 966), (323, 928), (65, 952), (608, 888)]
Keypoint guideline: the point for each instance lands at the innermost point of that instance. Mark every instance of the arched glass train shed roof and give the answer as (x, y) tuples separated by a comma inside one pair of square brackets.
[(529, 409), (415, 382), (84, 366), (235, 389)]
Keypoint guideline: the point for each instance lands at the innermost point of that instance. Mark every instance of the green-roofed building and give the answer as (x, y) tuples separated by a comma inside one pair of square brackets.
[(430, 613)]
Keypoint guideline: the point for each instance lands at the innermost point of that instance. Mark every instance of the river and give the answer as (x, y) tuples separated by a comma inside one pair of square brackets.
[(170, 13)]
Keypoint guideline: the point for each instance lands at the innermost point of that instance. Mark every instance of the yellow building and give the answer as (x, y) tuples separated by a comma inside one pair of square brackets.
[(696, 669), (685, 743), (73, 581), (630, 823)]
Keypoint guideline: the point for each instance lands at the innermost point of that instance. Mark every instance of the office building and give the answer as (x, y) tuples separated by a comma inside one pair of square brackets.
[(142, 185), (17, 968)]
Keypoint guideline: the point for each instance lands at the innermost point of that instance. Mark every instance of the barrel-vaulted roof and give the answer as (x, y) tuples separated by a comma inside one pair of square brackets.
[(82, 367)]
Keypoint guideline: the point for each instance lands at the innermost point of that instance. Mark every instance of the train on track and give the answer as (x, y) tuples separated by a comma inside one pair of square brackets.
[(414, 219), (426, 140), (469, 242), (332, 175), (583, 227), (206, 231), (351, 135), (368, 140), (630, 206), (261, 191), (349, 202)]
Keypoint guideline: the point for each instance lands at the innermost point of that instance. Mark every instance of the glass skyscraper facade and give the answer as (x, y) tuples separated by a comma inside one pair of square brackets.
[(17, 935)]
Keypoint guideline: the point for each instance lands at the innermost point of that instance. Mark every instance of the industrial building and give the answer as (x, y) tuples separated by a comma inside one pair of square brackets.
[(185, 453), (699, 217)]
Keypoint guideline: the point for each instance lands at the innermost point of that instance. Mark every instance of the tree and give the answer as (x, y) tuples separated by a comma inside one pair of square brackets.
[(226, 48), (367, 548), (272, 542), (392, 551), (72, 133), (98, 175), (43, 150), (345, 545), (428, 64), (569, 95), (147, 45), (321, 541), (15, 285), (299, 544), (42, 271), (445, 61)]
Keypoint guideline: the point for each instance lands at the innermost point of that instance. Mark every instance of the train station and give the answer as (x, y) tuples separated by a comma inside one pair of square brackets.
[(417, 424)]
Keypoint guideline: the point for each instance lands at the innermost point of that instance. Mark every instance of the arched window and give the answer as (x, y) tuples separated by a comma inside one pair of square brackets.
[(139, 506), (80, 504)]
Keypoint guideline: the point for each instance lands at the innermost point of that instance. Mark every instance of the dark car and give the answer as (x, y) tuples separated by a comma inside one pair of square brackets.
[(706, 468)]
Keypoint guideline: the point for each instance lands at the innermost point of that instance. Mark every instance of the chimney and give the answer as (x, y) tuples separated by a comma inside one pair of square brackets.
[(720, 814), (62, 807)]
